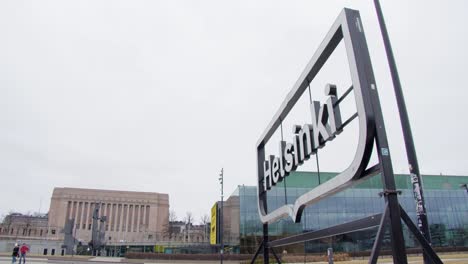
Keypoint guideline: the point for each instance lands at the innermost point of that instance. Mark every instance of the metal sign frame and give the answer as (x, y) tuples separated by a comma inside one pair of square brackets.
[(347, 28)]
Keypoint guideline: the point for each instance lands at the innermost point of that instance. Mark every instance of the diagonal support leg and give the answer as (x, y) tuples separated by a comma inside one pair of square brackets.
[(276, 256), (260, 247), (422, 240), (378, 237)]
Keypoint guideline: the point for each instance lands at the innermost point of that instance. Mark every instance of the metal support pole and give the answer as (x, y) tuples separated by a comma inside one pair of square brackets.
[(221, 179), (266, 251), (431, 254), (379, 236), (407, 134), (397, 241), (256, 253), (278, 260)]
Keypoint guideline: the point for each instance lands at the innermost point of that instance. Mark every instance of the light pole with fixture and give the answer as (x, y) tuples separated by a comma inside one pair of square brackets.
[(221, 181)]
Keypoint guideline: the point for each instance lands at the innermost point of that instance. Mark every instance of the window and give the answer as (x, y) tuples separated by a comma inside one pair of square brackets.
[(150, 236), (84, 226), (40, 233), (53, 231)]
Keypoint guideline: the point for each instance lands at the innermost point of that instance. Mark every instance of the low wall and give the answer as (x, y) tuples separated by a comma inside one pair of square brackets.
[(36, 247), (160, 256)]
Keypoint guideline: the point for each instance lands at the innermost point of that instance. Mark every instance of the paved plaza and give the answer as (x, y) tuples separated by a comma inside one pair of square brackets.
[(98, 260), (447, 258)]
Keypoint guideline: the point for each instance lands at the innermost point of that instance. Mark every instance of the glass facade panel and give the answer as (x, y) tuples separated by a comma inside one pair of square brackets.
[(446, 204)]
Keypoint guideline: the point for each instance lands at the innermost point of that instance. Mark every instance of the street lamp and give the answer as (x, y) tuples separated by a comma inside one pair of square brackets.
[(221, 181)]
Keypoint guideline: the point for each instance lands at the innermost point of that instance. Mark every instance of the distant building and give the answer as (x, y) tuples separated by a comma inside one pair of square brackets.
[(446, 202), (20, 226), (33, 230), (132, 219), (179, 233), (131, 216)]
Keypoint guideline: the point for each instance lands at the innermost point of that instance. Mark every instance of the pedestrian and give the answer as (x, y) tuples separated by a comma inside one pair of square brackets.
[(23, 250), (15, 253)]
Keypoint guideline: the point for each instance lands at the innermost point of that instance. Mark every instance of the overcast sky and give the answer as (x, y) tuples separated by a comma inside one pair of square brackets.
[(158, 96)]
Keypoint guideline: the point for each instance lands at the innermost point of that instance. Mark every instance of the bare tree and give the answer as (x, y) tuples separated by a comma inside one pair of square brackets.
[(7, 222), (172, 216), (188, 223), (27, 224), (168, 228), (188, 219), (205, 220)]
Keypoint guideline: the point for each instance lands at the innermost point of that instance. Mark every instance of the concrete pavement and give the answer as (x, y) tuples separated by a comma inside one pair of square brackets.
[(104, 260), (449, 258)]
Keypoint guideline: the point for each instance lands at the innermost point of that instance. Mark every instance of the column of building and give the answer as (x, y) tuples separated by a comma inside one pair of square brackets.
[(122, 218)]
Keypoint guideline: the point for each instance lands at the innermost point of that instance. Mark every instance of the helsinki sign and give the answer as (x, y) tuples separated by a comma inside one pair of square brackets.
[(326, 123)]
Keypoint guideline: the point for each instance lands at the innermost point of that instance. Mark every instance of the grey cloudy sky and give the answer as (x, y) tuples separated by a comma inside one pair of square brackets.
[(159, 95)]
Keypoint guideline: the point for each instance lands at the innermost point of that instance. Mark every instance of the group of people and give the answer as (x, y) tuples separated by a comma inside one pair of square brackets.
[(19, 252)]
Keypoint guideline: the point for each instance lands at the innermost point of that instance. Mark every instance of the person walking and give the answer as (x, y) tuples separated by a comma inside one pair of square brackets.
[(14, 255), (23, 250)]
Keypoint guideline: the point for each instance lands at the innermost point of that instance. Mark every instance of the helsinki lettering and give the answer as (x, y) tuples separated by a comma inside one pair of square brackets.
[(326, 124)]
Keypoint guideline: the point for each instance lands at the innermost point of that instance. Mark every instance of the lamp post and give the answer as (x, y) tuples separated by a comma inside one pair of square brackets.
[(407, 134), (221, 181)]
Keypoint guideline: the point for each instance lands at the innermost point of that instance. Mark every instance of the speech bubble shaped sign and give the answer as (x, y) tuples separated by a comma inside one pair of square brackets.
[(326, 123)]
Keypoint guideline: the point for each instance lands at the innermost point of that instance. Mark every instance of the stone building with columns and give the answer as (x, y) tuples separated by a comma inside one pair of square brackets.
[(131, 216)]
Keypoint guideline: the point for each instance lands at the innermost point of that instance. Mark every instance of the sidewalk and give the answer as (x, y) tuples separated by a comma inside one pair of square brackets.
[(4, 260), (447, 258)]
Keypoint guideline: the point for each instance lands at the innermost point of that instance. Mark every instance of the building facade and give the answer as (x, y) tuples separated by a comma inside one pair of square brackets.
[(446, 201), (19, 226), (181, 232), (34, 230), (130, 216)]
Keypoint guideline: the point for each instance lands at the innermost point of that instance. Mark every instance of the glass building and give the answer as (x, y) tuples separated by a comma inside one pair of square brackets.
[(446, 202)]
